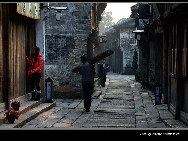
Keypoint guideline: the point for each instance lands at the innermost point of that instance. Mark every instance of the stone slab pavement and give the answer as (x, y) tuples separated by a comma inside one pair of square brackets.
[(121, 104)]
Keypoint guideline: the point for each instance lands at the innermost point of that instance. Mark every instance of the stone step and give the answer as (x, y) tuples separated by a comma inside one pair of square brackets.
[(26, 106), (96, 94), (29, 115)]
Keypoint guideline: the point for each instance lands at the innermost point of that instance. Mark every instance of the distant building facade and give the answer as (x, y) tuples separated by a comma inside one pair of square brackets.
[(121, 40)]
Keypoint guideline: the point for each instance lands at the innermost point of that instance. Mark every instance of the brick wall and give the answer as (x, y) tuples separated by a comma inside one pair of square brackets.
[(65, 41)]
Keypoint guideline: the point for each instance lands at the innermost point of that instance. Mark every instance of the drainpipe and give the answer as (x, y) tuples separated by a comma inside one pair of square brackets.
[(95, 16), (95, 31), (44, 35)]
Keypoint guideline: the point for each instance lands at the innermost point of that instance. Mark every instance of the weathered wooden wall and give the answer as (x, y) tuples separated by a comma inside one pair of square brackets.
[(20, 41), (1, 57)]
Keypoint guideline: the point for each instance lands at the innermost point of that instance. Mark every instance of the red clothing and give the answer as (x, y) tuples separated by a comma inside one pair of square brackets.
[(35, 66)]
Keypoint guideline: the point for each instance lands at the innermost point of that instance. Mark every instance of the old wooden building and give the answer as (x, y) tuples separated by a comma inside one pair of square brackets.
[(17, 39), (165, 35), (174, 18)]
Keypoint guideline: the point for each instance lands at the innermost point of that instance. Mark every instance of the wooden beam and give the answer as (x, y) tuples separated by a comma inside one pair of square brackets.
[(96, 59)]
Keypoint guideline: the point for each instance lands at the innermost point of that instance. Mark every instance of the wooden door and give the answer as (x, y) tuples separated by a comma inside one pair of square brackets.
[(21, 41), (1, 57)]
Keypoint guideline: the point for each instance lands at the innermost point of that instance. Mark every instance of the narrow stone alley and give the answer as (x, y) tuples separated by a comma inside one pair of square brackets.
[(121, 104)]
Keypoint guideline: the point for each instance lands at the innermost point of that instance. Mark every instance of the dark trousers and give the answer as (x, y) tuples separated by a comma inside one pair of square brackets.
[(35, 87), (35, 81), (88, 91), (103, 80)]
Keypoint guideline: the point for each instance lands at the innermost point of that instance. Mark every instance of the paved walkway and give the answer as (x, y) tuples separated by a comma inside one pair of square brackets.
[(121, 104)]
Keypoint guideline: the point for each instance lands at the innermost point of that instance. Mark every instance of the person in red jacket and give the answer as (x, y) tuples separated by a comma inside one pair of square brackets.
[(34, 73)]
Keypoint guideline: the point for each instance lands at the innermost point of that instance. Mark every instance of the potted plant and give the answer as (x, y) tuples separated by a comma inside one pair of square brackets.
[(13, 113), (16, 105)]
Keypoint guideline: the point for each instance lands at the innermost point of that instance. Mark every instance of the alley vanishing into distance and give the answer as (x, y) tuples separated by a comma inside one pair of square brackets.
[(121, 104), (145, 53)]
